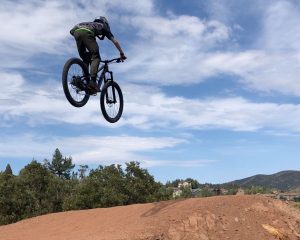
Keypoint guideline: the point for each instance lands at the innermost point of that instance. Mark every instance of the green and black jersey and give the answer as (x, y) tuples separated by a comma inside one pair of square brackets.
[(96, 28)]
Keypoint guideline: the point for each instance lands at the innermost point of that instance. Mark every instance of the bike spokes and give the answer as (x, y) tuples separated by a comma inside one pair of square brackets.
[(74, 85), (111, 101)]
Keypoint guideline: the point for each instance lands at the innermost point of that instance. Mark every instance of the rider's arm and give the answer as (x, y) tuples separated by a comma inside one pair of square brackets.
[(116, 43), (107, 33)]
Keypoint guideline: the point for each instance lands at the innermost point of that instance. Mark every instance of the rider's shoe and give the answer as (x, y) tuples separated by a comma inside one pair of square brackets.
[(93, 87)]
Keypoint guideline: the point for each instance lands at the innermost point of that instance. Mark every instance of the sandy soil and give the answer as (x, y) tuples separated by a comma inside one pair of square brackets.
[(224, 217)]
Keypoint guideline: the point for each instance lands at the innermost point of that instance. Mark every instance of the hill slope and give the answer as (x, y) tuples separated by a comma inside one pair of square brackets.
[(226, 217), (285, 180)]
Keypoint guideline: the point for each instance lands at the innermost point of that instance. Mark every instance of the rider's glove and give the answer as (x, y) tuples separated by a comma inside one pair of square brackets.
[(122, 56)]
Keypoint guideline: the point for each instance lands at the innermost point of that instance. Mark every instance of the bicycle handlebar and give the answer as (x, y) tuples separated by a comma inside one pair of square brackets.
[(112, 60)]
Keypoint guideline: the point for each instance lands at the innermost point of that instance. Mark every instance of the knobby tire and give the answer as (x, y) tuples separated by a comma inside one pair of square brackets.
[(66, 82), (106, 94)]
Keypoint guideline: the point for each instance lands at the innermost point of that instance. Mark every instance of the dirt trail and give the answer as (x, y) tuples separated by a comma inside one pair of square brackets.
[(225, 217)]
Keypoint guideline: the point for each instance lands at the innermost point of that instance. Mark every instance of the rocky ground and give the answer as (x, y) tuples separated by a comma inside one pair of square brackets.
[(224, 217)]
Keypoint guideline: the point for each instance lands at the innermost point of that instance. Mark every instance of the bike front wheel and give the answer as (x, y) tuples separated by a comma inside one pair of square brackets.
[(111, 101), (74, 73)]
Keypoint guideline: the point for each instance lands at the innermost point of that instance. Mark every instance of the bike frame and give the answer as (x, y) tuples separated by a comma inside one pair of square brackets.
[(102, 78), (104, 68)]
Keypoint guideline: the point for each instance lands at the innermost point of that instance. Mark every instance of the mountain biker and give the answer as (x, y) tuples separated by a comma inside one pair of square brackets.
[(85, 34)]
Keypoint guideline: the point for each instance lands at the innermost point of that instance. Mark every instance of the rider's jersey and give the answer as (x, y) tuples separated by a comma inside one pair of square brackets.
[(96, 28)]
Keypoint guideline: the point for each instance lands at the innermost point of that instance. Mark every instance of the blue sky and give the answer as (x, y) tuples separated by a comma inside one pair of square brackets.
[(211, 88)]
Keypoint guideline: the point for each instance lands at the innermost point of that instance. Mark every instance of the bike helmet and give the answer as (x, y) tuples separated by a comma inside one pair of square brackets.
[(101, 19)]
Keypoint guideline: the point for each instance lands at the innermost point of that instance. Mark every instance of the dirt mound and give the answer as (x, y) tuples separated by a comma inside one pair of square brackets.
[(232, 217)]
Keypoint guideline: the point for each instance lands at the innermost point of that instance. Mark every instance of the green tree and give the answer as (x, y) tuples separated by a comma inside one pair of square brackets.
[(84, 195), (111, 186), (173, 183), (60, 166), (82, 171), (141, 186), (8, 206), (194, 183), (205, 192), (35, 180), (164, 193), (8, 170), (59, 189), (257, 190), (232, 191), (112, 179), (104, 187), (186, 192), (33, 192)]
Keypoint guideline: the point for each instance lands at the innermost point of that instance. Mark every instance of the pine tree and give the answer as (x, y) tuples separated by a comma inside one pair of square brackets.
[(9, 207), (60, 166), (82, 170), (34, 180), (8, 170)]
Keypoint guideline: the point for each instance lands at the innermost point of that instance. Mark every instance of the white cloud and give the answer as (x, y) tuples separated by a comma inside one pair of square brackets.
[(279, 70), (275, 40), (281, 28), (132, 7), (99, 150), (180, 51), (122, 148), (12, 84), (44, 103), (36, 27), (180, 27), (166, 50), (177, 163), (172, 50), (90, 149), (156, 110), (146, 108)]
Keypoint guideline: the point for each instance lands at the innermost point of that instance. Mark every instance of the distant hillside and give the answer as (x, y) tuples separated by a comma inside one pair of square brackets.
[(285, 180)]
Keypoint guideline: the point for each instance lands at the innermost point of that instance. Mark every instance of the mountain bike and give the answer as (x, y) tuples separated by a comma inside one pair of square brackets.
[(75, 80)]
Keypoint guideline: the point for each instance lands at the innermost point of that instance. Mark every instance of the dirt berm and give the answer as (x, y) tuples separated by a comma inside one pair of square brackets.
[(224, 217)]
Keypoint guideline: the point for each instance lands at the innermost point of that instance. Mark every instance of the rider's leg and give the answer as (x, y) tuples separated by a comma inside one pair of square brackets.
[(91, 44), (84, 55), (88, 59)]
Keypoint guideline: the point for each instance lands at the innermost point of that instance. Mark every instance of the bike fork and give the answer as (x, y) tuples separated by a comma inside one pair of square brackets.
[(113, 89)]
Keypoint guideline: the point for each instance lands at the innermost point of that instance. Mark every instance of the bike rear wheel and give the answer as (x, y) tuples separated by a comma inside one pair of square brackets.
[(111, 101), (74, 72)]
